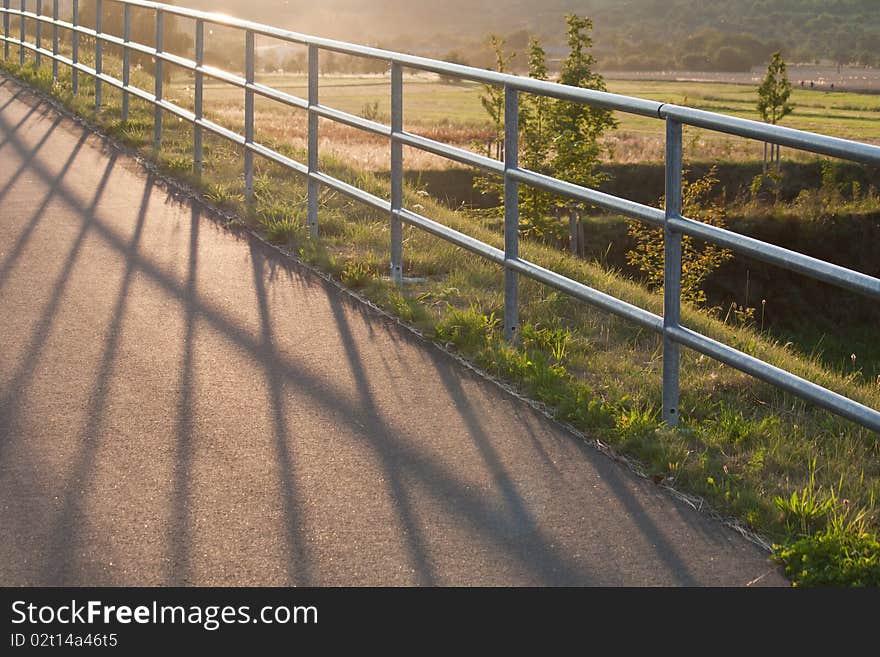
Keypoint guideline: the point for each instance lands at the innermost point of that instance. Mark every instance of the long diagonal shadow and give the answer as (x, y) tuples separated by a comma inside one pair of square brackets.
[(9, 402), (299, 566), (519, 515), (609, 473), (27, 157), (376, 429), (24, 119), (22, 241), (662, 547), (440, 481), (12, 98), (68, 523), (180, 566), (4, 81)]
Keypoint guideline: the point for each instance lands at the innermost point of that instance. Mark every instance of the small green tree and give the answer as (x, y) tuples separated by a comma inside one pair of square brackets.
[(492, 101), (535, 115), (773, 95), (560, 138), (577, 127), (699, 259)]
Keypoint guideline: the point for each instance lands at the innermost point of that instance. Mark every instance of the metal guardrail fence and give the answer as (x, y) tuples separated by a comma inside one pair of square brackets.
[(671, 220)]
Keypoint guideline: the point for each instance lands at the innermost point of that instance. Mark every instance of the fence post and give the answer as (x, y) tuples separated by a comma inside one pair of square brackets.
[(396, 173), (672, 274), (126, 59), (157, 77), (21, 29), (6, 30), (74, 56), (249, 65), (199, 93), (313, 140), (38, 41), (55, 39), (511, 212), (99, 52)]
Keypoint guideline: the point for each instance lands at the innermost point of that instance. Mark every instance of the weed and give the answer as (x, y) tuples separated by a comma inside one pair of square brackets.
[(832, 558), (805, 513), (356, 274), (224, 195), (636, 422), (553, 341), (468, 329), (177, 166)]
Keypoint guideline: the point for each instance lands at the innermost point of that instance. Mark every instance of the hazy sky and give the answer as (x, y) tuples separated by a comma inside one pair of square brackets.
[(369, 22)]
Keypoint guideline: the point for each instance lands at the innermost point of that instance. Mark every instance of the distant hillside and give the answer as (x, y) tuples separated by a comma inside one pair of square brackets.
[(629, 33)]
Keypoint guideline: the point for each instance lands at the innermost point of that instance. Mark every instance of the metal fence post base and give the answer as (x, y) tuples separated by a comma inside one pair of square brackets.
[(672, 275), (511, 213), (74, 73), (198, 98), (396, 174), (249, 66), (158, 74), (126, 59), (6, 30), (38, 36), (55, 40), (21, 29), (99, 53), (314, 188)]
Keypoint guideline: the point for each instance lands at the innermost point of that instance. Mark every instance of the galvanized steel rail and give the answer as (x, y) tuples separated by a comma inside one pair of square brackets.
[(670, 219)]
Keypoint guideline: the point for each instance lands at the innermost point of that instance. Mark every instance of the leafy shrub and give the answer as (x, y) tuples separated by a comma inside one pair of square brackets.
[(832, 558), (356, 274), (698, 259), (466, 328)]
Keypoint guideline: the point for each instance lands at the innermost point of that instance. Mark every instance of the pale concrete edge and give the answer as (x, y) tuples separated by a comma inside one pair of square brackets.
[(183, 192)]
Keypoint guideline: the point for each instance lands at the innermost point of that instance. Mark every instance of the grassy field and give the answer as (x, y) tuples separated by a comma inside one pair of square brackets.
[(430, 101), (797, 475), (452, 112)]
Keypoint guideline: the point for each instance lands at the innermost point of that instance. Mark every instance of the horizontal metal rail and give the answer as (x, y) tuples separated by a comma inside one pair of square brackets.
[(351, 120), (670, 218), (278, 158), (449, 152), (797, 139), (590, 295), (775, 255), (451, 235), (777, 377), (632, 209), (350, 190)]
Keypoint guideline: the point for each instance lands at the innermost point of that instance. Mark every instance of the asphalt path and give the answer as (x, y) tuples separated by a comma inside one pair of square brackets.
[(182, 405)]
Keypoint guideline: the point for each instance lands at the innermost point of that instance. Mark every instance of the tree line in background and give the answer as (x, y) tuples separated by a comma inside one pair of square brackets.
[(699, 35), (735, 35), (644, 34), (707, 50)]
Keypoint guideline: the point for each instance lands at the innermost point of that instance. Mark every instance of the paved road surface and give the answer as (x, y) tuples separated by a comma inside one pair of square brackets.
[(180, 405)]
